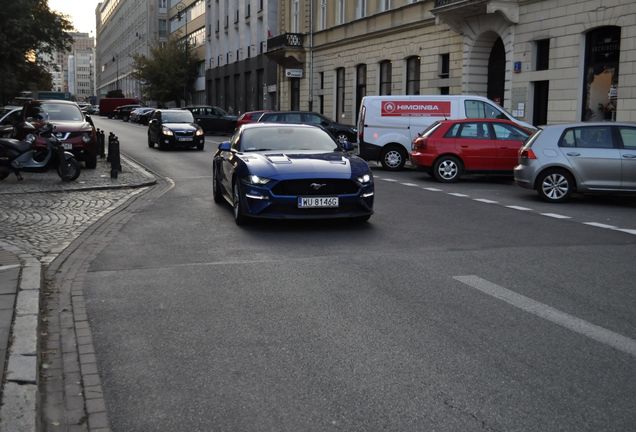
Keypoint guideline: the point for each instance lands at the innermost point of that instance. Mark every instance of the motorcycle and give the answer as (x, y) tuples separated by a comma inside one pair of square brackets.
[(17, 156)]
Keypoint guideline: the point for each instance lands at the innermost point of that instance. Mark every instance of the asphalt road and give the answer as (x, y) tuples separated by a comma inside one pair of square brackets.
[(464, 307)]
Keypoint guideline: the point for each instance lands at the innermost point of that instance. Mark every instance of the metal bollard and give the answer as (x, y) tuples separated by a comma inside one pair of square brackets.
[(100, 143), (115, 158), (111, 136)]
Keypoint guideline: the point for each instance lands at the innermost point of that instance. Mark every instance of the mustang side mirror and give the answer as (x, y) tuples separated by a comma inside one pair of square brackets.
[(225, 146)]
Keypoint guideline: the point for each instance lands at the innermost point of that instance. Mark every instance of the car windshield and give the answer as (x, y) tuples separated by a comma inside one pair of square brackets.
[(55, 112), (286, 138), (177, 117)]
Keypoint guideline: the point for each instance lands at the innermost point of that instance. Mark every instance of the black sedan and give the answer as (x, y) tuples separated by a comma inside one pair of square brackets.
[(213, 119), (170, 128), (341, 132), (291, 172)]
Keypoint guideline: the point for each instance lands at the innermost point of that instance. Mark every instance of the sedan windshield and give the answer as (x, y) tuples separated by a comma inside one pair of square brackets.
[(286, 138), (55, 112), (177, 117)]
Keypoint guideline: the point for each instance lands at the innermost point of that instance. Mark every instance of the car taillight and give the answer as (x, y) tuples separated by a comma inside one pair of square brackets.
[(526, 154), (419, 144)]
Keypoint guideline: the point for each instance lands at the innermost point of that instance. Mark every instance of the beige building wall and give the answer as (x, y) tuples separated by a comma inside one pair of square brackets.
[(466, 31)]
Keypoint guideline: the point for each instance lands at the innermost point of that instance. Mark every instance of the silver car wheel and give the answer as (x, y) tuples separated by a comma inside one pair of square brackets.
[(555, 186), (448, 169), (393, 158)]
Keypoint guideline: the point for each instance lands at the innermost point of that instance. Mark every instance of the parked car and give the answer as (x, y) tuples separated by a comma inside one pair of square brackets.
[(213, 119), (141, 115), (72, 127), (449, 148), (174, 128), (291, 171), (123, 112), (249, 117), (387, 125), (339, 131), (579, 157), (10, 115), (108, 105)]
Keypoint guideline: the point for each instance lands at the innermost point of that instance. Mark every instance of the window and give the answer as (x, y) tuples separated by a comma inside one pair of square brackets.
[(361, 8), (413, 75), (469, 130), (295, 94), (588, 137), (628, 136), (444, 90), (444, 65), (361, 85), (385, 77), (340, 11), (543, 54), (508, 132), (385, 5), (340, 93), (479, 109), (322, 19), (295, 16)]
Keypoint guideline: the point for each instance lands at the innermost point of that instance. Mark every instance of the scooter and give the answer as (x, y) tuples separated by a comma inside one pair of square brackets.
[(16, 156)]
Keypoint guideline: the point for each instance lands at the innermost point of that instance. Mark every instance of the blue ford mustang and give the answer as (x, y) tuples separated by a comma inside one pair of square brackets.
[(291, 171)]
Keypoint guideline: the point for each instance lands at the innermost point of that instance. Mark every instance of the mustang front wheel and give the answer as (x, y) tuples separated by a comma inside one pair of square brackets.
[(239, 217)]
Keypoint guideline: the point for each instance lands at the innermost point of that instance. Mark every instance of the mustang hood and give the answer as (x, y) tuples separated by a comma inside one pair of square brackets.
[(298, 164)]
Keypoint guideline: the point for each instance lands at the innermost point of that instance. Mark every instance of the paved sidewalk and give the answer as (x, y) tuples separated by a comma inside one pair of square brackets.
[(22, 320)]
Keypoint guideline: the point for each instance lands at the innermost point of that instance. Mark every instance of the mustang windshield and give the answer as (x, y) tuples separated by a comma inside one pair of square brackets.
[(286, 138)]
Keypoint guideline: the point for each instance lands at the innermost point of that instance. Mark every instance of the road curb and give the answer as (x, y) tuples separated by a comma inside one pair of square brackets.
[(20, 395)]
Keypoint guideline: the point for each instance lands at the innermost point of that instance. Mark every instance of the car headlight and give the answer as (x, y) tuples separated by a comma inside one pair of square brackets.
[(199, 132), (365, 179), (256, 180), (166, 131), (86, 138)]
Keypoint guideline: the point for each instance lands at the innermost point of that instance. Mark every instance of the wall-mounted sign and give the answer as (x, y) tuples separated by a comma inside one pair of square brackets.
[(294, 73), (517, 67)]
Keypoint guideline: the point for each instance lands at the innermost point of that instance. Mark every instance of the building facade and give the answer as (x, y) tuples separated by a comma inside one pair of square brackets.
[(187, 21), (240, 77), (545, 61), (125, 28), (74, 71)]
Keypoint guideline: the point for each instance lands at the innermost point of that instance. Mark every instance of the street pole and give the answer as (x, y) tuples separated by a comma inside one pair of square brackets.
[(180, 13), (311, 55)]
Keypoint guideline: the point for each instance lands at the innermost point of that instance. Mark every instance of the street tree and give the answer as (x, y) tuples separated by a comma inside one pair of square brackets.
[(168, 73), (29, 31)]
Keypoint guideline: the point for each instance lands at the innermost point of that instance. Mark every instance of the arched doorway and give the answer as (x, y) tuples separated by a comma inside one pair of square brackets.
[(497, 72)]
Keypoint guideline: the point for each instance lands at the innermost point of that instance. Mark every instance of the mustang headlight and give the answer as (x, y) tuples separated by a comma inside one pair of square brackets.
[(365, 179), (199, 132), (256, 180), (166, 131)]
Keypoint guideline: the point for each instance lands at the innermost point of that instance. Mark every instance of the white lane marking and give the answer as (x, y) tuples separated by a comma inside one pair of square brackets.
[(389, 179), (8, 267), (555, 215), (592, 331), (457, 194), (599, 225), (432, 189), (409, 184), (628, 231), (487, 201), (519, 208)]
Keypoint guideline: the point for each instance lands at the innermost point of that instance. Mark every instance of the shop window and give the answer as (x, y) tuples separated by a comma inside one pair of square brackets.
[(600, 95)]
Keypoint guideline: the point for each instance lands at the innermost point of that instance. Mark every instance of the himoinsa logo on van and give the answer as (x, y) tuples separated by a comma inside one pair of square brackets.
[(411, 108)]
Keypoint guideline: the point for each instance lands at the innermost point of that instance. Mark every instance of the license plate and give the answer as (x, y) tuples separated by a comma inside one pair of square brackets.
[(317, 202), (185, 138), (67, 146)]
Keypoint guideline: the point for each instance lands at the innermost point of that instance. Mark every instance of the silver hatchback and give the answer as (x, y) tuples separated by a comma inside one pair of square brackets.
[(580, 157)]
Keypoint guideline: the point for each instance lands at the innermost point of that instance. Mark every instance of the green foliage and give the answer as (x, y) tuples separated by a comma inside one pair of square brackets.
[(168, 73), (28, 27)]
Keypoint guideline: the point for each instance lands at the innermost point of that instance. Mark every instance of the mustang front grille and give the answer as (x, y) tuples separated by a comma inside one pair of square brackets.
[(316, 187)]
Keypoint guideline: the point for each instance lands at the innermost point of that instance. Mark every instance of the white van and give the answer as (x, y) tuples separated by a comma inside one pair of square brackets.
[(388, 124)]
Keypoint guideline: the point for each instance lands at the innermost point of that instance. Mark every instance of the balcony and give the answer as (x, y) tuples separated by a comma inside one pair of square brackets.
[(453, 12), (286, 49)]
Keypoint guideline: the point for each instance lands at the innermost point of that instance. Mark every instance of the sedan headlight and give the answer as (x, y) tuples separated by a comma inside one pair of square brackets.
[(256, 180), (166, 131), (86, 138), (365, 179), (199, 132)]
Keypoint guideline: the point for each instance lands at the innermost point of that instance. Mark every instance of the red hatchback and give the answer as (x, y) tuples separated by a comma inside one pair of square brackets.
[(449, 148), (249, 117)]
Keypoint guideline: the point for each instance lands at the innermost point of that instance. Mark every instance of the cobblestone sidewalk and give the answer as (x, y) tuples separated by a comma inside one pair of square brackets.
[(39, 218)]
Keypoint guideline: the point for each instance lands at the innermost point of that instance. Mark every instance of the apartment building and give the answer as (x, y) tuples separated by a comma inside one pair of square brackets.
[(240, 77), (66, 77), (125, 28), (545, 61), (187, 20)]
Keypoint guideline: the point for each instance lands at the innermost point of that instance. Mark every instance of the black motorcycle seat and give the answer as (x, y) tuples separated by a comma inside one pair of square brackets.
[(14, 144)]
